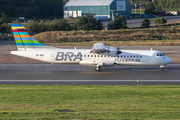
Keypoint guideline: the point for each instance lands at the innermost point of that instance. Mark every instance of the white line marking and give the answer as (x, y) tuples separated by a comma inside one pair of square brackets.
[(89, 80)]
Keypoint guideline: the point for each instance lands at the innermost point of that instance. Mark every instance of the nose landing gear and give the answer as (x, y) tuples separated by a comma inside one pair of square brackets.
[(98, 68), (162, 67)]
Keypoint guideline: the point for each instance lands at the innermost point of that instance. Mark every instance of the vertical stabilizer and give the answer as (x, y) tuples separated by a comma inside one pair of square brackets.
[(23, 40)]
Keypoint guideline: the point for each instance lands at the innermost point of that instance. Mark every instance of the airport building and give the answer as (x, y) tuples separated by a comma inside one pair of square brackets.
[(109, 8)]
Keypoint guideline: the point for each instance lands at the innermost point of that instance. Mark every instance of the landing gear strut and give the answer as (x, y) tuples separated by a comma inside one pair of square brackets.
[(162, 67), (97, 68)]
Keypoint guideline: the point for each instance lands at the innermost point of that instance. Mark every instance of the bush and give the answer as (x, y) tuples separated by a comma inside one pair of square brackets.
[(57, 25), (160, 21), (89, 23), (33, 27), (145, 23), (119, 23), (42, 27)]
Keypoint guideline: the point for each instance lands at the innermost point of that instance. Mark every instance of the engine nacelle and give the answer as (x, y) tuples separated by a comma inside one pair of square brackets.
[(108, 64)]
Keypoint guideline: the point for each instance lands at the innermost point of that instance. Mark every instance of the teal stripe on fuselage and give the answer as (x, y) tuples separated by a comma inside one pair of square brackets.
[(20, 33), (29, 44)]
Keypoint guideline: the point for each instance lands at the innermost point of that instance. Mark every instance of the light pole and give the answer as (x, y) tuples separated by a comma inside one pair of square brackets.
[(140, 9), (112, 14)]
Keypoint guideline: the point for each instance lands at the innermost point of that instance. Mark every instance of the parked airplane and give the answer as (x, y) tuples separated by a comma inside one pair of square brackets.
[(99, 56)]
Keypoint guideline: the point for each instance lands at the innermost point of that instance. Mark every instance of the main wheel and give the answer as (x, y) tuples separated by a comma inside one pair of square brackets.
[(97, 68), (162, 69)]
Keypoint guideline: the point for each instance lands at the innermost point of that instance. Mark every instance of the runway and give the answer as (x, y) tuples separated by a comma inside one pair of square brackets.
[(78, 75)]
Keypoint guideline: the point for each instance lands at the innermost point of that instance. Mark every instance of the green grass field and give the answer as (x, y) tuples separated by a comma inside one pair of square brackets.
[(90, 101)]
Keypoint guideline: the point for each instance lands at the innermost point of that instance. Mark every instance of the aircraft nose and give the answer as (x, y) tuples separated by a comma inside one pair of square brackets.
[(169, 60)]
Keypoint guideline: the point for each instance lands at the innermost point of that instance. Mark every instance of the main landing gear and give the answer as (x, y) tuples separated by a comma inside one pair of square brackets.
[(162, 67), (98, 68)]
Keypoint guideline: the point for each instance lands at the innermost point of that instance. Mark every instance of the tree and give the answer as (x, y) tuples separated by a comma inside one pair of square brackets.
[(89, 23), (3, 18), (119, 23), (149, 8), (145, 23), (4, 27), (160, 21)]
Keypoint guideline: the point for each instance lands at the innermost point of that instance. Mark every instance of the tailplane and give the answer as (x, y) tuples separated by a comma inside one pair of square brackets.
[(23, 40)]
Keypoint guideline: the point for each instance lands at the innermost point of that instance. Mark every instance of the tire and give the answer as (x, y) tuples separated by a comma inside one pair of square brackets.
[(97, 68)]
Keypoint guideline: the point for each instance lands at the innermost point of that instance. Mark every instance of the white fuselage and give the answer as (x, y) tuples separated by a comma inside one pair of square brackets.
[(84, 57)]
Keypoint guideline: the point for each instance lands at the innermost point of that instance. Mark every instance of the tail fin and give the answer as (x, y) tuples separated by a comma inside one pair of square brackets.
[(23, 40)]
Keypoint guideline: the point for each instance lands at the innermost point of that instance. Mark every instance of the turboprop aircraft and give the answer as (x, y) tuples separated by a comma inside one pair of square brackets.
[(99, 56)]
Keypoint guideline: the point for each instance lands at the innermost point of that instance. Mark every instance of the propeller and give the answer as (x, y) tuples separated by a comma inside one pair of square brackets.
[(118, 52)]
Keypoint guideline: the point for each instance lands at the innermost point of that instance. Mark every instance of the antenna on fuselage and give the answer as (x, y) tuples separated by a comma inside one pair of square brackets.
[(151, 49)]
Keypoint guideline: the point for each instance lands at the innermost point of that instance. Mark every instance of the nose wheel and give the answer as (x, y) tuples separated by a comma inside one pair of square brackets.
[(162, 67), (97, 68)]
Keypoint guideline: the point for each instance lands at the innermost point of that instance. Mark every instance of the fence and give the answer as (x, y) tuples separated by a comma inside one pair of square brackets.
[(6, 36)]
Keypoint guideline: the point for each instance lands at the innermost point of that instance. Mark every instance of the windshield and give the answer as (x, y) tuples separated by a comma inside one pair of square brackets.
[(160, 54)]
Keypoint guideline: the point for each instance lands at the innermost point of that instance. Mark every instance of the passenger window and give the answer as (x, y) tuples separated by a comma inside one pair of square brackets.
[(98, 55), (130, 56), (124, 56), (94, 55), (134, 56), (101, 55), (88, 55), (121, 56), (91, 55), (84, 55), (140, 56), (137, 56)]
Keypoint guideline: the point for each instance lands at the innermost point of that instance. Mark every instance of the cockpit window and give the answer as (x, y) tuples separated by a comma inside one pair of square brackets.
[(160, 54)]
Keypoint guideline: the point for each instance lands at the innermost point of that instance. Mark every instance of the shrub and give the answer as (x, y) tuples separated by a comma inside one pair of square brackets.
[(89, 23), (33, 27), (145, 23), (119, 23), (42, 26), (111, 26), (160, 21), (57, 25)]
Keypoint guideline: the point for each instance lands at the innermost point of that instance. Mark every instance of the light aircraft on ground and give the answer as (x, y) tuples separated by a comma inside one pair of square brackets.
[(99, 56)]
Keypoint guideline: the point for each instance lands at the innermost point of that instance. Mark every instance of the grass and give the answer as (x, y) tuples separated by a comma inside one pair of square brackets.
[(89, 101)]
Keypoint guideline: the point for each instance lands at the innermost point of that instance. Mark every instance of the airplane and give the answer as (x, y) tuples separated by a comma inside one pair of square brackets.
[(99, 56)]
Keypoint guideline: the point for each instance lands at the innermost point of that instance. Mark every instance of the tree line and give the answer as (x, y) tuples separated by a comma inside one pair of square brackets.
[(32, 8), (163, 4)]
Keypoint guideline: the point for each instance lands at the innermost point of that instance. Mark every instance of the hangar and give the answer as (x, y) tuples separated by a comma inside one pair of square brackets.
[(108, 8)]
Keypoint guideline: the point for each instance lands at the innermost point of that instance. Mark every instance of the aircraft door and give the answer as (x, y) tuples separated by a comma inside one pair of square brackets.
[(52, 57)]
